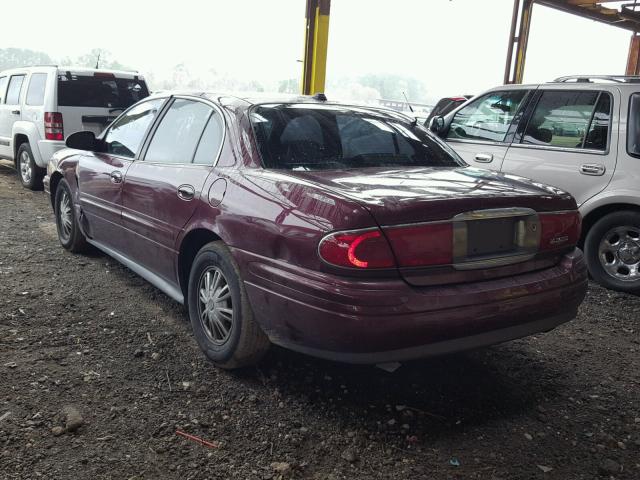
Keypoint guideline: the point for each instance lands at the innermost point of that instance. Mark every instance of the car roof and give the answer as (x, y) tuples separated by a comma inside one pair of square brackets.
[(75, 70), (256, 98)]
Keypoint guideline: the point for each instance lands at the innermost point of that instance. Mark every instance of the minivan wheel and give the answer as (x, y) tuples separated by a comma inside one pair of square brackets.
[(30, 174), (220, 314), (612, 250), (69, 234)]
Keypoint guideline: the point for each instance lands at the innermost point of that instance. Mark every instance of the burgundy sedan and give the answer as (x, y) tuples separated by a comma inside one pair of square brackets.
[(344, 232)]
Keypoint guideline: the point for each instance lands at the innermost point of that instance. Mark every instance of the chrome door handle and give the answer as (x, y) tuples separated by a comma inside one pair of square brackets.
[(186, 192), (116, 176), (484, 157), (15, 112), (592, 169)]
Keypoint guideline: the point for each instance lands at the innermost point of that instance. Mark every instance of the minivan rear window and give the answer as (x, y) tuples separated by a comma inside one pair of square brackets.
[(99, 91)]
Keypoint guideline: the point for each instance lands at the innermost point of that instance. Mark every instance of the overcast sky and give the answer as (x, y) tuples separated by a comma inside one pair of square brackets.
[(453, 46)]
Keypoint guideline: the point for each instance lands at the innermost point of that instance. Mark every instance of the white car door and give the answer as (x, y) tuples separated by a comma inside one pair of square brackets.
[(10, 112), (569, 139), (481, 131)]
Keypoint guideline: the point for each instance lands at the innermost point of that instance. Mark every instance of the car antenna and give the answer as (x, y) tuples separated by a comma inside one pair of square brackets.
[(415, 119), (98, 61), (407, 100)]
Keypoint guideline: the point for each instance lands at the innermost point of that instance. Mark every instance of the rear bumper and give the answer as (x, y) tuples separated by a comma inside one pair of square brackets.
[(376, 321), (47, 148)]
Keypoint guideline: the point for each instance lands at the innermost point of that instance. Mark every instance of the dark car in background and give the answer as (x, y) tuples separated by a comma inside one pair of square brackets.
[(446, 105), (348, 233)]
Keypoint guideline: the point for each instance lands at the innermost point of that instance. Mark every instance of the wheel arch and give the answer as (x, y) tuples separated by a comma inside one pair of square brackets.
[(190, 245), (54, 181), (18, 140), (590, 218)]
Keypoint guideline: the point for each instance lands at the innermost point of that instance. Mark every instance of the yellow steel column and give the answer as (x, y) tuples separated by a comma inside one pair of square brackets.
[(523, 39), (514, 69), (316, 40)]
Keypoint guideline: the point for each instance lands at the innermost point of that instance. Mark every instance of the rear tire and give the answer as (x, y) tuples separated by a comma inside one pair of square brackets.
[(219, 310), (612, 251), (69, 234), (30, 173)]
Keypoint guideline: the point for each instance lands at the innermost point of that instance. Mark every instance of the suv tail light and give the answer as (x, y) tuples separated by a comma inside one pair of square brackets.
[(559, 230), (357, 249), (53, 127)]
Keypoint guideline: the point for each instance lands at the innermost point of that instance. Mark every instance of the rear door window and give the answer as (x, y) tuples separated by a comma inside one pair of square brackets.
[(15, 87), (3, 88), (35, 92), (127, 132), (488, 118), (99, 90), (177, 136), (209, 146), (570, 119)]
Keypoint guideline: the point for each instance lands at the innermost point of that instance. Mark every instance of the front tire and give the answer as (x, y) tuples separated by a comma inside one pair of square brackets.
[(30, 173), (612, 251), (219, 310), (69, 234)]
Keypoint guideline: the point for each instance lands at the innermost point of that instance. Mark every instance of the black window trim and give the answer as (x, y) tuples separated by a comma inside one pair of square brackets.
[(629, 152), (591, 151), (151, 132), (23, 75)]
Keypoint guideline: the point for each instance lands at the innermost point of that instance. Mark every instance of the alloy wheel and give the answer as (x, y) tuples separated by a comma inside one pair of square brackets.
[(26, 172), (215, 306), (65, 217), (619, 253)]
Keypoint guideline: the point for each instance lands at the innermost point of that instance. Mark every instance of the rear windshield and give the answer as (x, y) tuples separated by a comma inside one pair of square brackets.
[(321, 137), (95, 91)]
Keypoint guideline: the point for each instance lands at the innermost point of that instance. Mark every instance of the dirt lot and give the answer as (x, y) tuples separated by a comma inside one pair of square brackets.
[(86, 333)]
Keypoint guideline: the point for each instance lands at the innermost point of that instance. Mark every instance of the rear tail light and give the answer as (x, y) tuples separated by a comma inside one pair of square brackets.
[(357, 249), (422, 245), (53, 126), (433, 244), (558, 230)]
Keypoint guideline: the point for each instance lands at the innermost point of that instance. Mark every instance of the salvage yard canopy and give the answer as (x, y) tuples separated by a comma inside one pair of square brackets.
[(616, 13)]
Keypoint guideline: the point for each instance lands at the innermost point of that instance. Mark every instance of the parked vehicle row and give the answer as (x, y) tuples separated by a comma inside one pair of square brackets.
[(580, 134), (40, 106), (348, 233)]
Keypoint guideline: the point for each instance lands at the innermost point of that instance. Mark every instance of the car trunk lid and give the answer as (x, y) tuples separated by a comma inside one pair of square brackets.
[(485, 224)]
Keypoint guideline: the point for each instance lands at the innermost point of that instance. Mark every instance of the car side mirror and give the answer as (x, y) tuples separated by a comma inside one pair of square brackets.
[(437, 125), (82, 141)]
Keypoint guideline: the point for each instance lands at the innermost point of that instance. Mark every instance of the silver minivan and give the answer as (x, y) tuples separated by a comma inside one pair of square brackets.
[(580, 134), (41, 106)]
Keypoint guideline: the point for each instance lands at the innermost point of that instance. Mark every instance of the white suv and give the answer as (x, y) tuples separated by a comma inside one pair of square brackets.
[(581, 134), (41, 106)]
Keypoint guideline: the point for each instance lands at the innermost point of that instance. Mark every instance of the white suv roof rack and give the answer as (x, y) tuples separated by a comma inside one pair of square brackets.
[(598, 79)]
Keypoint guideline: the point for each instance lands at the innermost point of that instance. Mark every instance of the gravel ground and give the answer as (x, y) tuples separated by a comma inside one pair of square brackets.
[(98, 370)]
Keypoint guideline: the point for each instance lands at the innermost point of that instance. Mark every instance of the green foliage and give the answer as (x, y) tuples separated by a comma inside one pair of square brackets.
[(391, 86), (20, 57), (291, 85), (89, 60)]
